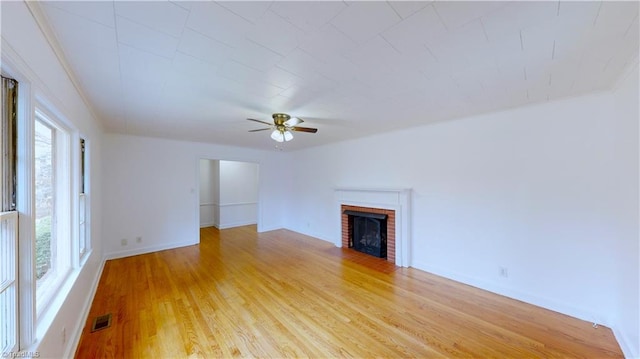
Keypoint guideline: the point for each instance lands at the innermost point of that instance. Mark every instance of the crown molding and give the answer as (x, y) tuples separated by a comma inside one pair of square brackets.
[(627, 71), (41, 19)]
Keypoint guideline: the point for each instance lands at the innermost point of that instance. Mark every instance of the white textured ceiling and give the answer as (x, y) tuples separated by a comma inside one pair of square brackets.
[(196, 70)]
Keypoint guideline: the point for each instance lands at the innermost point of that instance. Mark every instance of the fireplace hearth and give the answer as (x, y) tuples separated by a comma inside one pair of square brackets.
[(367, 232)]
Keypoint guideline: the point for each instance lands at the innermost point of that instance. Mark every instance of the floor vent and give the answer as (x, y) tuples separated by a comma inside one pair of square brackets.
[(101, 322)]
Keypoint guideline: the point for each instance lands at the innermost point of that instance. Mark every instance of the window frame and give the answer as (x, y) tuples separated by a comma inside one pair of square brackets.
[(9, 223), (8, 188), (84, 200), (63, 204)]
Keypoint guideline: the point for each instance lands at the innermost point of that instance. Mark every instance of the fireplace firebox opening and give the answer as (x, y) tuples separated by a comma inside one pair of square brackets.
[(368, 232)]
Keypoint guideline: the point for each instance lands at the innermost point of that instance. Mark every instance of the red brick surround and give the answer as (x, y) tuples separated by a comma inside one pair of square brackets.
[(391, 227)]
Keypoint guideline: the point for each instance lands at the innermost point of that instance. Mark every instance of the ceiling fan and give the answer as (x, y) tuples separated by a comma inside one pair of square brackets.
[(282, 126)]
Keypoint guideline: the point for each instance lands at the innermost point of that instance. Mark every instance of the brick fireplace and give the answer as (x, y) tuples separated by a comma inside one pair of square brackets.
[(391, 227), (394, 203)]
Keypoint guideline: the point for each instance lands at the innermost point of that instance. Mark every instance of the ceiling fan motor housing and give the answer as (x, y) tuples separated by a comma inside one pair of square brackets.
[(282, 127), (280, 118)]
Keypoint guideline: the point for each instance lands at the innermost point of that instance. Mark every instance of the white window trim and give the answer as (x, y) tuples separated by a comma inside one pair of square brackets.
[(25, 197), (10, 283), (9, 228), (62, 208), (82, 256)]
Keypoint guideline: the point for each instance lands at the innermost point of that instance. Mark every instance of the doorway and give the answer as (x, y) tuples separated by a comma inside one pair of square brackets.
[(228, 193)]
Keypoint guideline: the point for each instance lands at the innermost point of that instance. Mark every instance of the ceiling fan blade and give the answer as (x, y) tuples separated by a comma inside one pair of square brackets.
[(263, 122), (304, 129), (293, 121), (260, 129)]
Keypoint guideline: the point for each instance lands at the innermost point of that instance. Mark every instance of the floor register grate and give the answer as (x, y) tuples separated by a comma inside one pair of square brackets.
[(101, 322)]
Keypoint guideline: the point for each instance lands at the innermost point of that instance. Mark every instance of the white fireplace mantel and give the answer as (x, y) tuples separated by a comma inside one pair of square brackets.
[(398, 200)]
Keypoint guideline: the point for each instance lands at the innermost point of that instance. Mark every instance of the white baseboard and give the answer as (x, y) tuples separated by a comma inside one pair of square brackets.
[(317, 236), (235, 224), (207, 224), (76, 334), (625, 344), (546, 303), (322, 238), (151, 249), (262, 228)]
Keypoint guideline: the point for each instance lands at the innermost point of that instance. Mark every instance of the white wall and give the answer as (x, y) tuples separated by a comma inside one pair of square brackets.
[(25, 50), (150, 191), (541, 190), (626, 295), (209, 193), (238, 193)]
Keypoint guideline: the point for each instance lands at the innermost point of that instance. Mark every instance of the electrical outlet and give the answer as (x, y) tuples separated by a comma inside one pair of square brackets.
[(504, 272), (138, 239), (123, 242)]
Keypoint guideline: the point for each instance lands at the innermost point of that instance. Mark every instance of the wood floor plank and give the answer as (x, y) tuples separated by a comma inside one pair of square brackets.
[(281, 294)]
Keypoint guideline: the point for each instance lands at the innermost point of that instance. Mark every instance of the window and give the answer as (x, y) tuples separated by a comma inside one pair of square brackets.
[(52, 207), (44, 209), (45, 246), (8, 220), (8, 144), (83, 239)]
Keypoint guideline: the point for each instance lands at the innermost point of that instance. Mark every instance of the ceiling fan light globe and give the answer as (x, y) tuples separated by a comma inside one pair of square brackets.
[(288, 136), (277, 136)]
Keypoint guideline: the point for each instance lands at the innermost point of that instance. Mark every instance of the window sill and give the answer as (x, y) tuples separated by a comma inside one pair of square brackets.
[(49, 314)]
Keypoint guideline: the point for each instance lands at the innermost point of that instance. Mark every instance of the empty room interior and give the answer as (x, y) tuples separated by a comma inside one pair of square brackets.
[(320, 179)]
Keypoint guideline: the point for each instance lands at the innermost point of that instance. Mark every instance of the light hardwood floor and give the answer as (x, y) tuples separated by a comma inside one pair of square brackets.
[(282, 294)]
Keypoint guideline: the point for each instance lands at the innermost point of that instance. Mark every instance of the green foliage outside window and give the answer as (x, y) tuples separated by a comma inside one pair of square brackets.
[(43, 246)]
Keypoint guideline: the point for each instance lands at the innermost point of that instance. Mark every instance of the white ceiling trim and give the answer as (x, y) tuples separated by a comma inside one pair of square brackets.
[(38, 15)]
